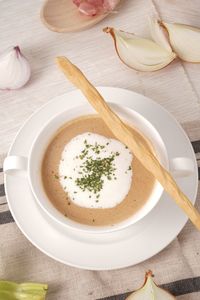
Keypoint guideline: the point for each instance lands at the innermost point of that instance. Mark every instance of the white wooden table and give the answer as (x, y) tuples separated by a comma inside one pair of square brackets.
[(175, 87)]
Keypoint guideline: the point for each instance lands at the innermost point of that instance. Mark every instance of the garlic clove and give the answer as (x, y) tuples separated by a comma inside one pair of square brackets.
[(14, 69), (140, 53), (185, 40), (150, 290), (158, 34)]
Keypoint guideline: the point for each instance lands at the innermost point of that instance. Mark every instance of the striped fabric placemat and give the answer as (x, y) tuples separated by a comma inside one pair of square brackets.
[(177, 288)]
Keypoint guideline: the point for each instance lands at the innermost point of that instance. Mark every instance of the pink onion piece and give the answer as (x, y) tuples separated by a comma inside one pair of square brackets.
[(97, 3), (77, 2), (94, 7), (109, 5), (87, 9)]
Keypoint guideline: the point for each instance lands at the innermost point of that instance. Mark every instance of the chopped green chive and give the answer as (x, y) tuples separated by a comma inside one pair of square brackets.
[(94, 169)]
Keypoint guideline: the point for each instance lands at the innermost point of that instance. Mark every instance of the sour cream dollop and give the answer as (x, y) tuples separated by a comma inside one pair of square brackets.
[(95, 171)]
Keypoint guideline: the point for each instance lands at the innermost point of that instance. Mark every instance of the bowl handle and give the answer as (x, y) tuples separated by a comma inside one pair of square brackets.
[(181, 166), (15, 165)]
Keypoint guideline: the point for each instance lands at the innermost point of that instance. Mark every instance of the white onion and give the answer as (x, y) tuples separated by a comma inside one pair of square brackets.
[(14, 69), (185, 40), (140, 53), (150, 291), (159, 34)]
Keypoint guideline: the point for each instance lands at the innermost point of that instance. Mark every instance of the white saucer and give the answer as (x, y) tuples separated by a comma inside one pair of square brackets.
[(113, 250)]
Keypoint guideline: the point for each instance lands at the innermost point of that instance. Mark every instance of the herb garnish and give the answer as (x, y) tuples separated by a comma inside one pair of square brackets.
[(94, 170)]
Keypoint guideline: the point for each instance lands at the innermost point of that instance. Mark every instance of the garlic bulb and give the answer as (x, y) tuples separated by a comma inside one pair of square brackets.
[(158, 34), (140, 53), (150, 291), (185, 40), (14, 69)]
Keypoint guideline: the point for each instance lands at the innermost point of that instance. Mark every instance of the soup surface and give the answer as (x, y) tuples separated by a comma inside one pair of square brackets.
[(113, 185)]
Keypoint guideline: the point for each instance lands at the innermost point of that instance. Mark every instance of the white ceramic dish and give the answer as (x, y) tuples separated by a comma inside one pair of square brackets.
[(117, 249), (31, 165)]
